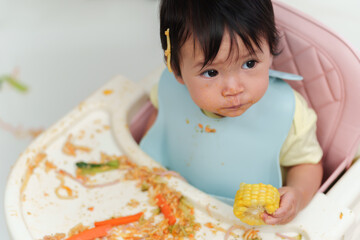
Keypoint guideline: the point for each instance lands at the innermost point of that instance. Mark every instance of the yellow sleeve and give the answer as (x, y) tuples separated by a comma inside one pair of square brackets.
[(301, 145), (154, 96)]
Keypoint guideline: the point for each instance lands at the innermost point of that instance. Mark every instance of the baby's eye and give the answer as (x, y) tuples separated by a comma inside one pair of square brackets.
[(210, 73), (249, 64)]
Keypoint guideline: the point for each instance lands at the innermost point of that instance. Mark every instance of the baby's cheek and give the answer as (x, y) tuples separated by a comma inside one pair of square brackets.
[(207, 104), (264, 87), (204, 99)]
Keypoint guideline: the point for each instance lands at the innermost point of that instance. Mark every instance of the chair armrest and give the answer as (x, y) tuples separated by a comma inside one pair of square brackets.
[(346, 191)]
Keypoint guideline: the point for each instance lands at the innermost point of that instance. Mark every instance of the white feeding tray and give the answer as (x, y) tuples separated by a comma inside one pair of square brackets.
[(43, 196)]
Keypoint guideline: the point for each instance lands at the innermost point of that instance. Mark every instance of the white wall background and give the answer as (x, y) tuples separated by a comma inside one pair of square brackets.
[(341, 16), (66, 49)]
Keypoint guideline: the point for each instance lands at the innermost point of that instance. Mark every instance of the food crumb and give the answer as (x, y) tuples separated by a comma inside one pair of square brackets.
[(49, 166), (206, 129), (133, 203), (57, 236), (107, 91), (70, 149), (209, 130)]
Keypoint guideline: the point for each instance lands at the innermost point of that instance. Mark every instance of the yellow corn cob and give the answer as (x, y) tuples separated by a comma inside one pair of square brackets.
[(252, 200)]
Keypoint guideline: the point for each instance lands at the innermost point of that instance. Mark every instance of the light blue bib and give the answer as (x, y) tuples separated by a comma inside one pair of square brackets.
[(239, 149)]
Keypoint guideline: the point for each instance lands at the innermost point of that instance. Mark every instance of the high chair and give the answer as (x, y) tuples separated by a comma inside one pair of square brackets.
[(331, 71), (331, 85)]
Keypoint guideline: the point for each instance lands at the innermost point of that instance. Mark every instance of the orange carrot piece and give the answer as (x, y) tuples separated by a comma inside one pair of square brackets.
[(120, 220), (92, 233), (200, 125), (209, 130), (209, 225), (165, 209)]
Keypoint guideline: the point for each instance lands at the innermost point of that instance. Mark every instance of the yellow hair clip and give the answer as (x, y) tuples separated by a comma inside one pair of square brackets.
[(168, 50)]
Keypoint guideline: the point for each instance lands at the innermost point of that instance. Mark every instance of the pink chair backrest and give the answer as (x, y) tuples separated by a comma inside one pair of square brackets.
[(331, 85)]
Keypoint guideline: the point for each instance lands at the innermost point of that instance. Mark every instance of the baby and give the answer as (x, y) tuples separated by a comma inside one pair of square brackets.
[(223, 118)]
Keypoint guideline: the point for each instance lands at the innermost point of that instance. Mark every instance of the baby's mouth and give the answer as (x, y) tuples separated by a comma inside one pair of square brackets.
[(234, 107)]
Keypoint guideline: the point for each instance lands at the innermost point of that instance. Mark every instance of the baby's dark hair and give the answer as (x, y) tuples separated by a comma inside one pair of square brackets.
[(206, 21)]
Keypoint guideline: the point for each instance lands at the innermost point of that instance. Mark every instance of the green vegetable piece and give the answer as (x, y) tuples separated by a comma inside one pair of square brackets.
[(186, 202), (82, 165), (113, 163), (14, 83), (142, 220), (93, 168), (156, 211), (171, 228), (144, 186)]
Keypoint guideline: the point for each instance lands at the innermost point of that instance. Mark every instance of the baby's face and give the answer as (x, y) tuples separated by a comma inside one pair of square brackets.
[(232, 83)]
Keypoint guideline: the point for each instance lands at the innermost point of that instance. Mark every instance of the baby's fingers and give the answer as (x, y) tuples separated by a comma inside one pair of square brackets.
[(282, 215), (270, 220), (286, 207), (273, 219)]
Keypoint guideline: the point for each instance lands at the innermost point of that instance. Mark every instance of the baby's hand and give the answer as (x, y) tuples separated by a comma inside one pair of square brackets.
[(290, 204)]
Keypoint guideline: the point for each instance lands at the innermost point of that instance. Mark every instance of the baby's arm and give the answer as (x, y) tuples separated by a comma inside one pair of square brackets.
[(302, 182), (300, 155)]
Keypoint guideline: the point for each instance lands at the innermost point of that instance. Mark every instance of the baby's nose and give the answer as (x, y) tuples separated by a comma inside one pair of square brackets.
[(232, 87)]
